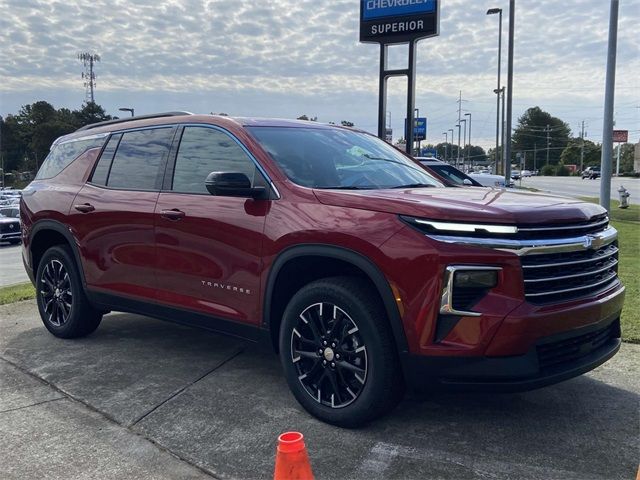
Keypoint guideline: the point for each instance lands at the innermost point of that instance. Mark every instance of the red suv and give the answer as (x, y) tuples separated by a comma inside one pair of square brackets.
[(364, 273)]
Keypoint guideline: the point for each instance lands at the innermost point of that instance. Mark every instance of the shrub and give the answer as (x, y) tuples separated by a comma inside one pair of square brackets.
[(548, 171)]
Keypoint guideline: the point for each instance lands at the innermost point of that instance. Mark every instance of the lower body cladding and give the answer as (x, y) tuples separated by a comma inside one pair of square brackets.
[(562, 343)]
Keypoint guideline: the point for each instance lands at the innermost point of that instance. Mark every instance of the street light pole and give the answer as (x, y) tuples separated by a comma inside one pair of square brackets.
[(498, 11), (464, 141), (469, 151), (446, 140), (452, 142), (126, 109)]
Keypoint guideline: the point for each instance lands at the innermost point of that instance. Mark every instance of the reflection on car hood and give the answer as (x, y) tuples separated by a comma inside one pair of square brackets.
[(466, 204)]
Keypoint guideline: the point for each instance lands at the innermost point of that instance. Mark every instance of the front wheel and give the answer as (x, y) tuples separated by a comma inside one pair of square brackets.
[(62, 303), (338, 352)]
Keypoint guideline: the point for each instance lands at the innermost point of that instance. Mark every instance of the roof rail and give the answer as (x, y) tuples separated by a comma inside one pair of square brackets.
[(129, 119)]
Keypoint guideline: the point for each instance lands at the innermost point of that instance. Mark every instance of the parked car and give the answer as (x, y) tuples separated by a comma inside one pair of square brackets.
[(10, 230), (12, 211), (591, 173), (447, 174), (360, 269), (525, 173), (489, 180)]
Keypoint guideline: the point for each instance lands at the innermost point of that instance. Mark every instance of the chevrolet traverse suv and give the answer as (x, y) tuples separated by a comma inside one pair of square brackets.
[(364, 274)]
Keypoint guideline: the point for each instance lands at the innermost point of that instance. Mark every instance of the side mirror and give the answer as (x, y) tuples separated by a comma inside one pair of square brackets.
[(233, 184), (467, 182)]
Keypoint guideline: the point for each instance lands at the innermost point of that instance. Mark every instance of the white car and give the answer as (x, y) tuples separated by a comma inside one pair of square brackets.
[(488, 180), (525, 173)]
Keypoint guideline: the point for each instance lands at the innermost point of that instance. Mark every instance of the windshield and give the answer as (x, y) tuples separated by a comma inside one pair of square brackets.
[(337, 158)]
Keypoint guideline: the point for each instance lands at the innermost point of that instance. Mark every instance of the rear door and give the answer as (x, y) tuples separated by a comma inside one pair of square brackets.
[(112, 216), (209, 247)]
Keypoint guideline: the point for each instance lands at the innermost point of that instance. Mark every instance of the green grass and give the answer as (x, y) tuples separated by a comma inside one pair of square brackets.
[(15, 293), (627, 222)]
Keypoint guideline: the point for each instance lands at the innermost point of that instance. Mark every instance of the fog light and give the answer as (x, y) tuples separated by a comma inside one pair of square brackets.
[(475, 279), (464, 286)]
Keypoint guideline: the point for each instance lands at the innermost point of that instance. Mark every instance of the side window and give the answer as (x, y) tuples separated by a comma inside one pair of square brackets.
[(204, 150), (138, 162), (63, 154), (101, 171)]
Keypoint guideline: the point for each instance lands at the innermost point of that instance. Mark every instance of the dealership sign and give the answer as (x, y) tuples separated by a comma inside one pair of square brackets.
[(398, 21), (621, 136), (419, 128)]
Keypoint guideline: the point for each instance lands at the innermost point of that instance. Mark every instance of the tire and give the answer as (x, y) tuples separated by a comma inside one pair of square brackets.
[(356, 364), (62, 303)]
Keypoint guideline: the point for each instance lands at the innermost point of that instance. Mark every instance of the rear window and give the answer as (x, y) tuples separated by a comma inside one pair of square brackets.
[(63, 154), (139, 160)]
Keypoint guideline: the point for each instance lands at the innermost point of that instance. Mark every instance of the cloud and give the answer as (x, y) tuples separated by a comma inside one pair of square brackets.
[(307, 51)]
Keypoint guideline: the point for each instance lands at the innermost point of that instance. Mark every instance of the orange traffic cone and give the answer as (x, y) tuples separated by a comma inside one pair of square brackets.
[(292, 461)]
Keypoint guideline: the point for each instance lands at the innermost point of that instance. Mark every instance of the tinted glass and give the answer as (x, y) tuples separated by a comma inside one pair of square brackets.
[(338, 158), (139, 158), (452, 174), (204, 150), (101, 172), (63, 154)]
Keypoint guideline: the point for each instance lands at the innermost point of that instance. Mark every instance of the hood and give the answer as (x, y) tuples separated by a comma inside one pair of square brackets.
[(488, 205)]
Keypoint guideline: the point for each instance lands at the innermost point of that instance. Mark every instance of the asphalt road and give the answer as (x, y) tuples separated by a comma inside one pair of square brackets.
[(576, 187), (142, 398), (11, 268)]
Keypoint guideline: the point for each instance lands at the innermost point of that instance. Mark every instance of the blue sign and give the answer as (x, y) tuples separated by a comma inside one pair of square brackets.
[(373, 9), (419, 128)]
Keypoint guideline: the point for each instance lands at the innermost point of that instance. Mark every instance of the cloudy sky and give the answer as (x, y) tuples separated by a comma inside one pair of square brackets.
[(285, 58)]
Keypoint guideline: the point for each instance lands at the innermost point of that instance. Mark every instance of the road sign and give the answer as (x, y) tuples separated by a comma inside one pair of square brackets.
[(398, 21), (419, 128), (621, 136)]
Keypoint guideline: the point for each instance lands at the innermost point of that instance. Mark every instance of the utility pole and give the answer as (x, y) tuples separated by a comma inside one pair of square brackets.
[(88, 60), (548, 130), (452, 143), (582, 148), (535, 156), (607, 129), (446, 140), (507, 150)]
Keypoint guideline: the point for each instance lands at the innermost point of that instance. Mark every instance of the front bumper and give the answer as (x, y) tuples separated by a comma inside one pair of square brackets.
[(551, 360), (5, 237)]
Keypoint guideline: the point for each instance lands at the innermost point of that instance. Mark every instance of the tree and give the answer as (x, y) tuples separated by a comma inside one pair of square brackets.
[(346, 123), (91, 113), (571, 153), (531, 133), (626, 157)]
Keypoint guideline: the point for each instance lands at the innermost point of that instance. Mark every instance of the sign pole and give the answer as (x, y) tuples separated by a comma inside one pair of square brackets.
[(411, 97), (382, 93), (607, 129)]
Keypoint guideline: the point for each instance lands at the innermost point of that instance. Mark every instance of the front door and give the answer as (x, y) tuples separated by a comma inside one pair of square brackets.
[(209, 247)]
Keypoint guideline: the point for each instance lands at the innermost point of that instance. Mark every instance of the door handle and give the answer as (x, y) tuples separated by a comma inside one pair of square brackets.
[(173, 214), (85, 208)]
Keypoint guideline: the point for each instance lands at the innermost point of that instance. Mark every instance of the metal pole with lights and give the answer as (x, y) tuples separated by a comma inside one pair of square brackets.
[(446, 140), (469, 150), (130, 110)]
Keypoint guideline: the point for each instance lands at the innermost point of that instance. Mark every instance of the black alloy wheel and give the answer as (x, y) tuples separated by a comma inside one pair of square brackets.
[(338, 352), (329, 355), (57, 295), (63, 305)]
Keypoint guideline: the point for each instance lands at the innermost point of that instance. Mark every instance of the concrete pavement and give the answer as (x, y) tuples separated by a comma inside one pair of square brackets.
[(576, 187), (145, 399), (11, 268)]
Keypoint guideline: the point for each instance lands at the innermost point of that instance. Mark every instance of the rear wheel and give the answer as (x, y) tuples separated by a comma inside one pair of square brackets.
[(338, 352), (63, 306)]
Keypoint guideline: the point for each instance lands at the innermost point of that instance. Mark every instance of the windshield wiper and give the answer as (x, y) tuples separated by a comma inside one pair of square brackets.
[(415, 185)]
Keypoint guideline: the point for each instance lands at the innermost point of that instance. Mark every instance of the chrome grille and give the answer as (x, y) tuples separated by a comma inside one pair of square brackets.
[(565, 276)]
